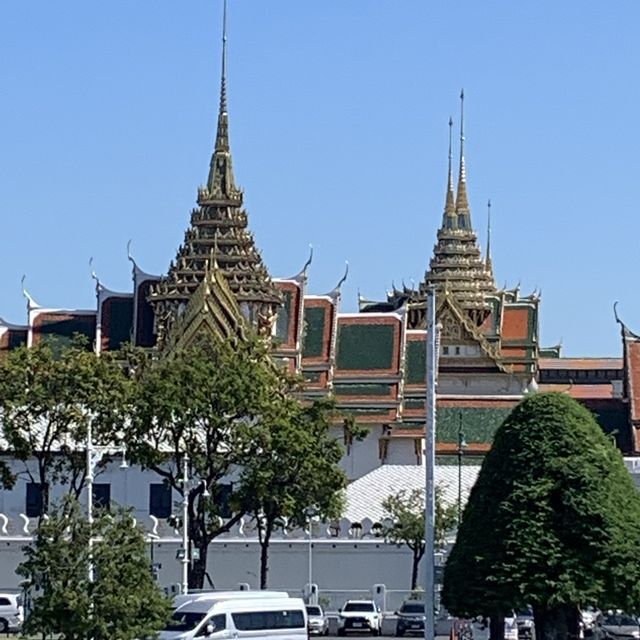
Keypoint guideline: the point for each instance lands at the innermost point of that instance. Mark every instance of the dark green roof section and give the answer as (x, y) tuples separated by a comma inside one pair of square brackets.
[(478, 425), (312, 376), (284, 317), (120, 321), (615, 423), (365, 347), (364, 411), (17, 338), (362, 389), (313, 339), (59, 333), (415, 362), (414, 403)]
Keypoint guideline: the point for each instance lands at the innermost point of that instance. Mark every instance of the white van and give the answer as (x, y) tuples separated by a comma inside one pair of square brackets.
[(269, 618), (216, 596)]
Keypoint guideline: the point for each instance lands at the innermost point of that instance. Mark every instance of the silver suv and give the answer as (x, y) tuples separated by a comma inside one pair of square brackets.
[(11, 613), (360, 615)]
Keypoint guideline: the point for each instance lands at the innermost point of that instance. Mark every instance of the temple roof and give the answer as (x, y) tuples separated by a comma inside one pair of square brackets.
[(218, 231), (457, 264)]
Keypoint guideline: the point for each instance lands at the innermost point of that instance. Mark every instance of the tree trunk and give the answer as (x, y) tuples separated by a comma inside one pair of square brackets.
[(199, 567), (496, 627), (556, 623), (414, 569), (264, 558)]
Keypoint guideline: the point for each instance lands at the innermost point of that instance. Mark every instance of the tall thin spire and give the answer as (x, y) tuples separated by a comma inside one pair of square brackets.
[(221, 182), (449, 219), (223, 83), (488, 261), (462, 202)]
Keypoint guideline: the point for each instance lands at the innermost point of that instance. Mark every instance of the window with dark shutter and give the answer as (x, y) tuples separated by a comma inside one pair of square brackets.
[(102, 496), (34, 506), (160, 500)]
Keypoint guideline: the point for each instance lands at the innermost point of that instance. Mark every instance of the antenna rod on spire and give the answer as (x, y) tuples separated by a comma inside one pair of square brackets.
[(488, 261), (450, 146), (223, 87), (462, 168)]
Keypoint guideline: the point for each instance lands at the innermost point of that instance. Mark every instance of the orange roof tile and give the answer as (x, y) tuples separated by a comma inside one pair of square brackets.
[(580, 363), (582, 391)]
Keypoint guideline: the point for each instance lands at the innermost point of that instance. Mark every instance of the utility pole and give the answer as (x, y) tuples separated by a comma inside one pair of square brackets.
[(429, 462)]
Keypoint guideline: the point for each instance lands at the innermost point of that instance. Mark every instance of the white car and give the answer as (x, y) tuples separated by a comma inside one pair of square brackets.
[(11, 612), (360, 615)]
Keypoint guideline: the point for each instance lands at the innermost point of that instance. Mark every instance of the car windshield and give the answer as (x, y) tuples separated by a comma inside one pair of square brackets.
[(412, 607), (314, 611), (359, 606), (184, 621), (621, 620)]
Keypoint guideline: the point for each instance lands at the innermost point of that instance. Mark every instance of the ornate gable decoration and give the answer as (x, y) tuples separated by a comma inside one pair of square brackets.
[(458, 328), (212, 311)]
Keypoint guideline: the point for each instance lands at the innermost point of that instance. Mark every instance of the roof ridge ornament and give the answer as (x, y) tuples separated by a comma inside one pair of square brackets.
[(94, 276), (31, 303), (335, 292)]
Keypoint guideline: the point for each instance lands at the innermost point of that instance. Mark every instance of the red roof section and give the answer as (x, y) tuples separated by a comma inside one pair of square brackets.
[(580, 363), (515, 323), (632, 347), (582, 391)]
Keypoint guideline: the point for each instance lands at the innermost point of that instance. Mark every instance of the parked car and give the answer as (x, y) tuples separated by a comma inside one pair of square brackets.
[(617, 625), (524, 620), (359, 615), (11, 612), (410, 618), (317, 622), (511, 631)]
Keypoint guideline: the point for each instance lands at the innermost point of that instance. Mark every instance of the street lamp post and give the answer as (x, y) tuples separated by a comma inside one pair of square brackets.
[(310, 512), (185, 524), (462, 445)]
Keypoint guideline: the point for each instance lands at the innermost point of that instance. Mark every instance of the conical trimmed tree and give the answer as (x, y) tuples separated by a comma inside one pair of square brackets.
[(553, 522)]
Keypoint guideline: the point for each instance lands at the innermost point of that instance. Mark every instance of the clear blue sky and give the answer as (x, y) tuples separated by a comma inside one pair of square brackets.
[(338, 121)]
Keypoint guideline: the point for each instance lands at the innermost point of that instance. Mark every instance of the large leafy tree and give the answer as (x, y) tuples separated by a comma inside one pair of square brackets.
[(405, 510), (295, 472), (122, 602), (208, 402), (553, 521), (48, 396)]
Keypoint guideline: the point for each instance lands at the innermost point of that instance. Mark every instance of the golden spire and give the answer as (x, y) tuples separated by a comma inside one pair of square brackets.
[(221, 181), (449, 219), (462, 202)]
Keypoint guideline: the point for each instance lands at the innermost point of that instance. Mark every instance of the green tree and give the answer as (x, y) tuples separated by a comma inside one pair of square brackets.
[(553, 521), (294, 469), (47, 398), (208, 402), (122, 602), (406, 513)]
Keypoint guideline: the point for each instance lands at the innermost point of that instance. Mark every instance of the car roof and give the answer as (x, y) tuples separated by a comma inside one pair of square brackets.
[(360, 601), (214, 596), (242, 604)]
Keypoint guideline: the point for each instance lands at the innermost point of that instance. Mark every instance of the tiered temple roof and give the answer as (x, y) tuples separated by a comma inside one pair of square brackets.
[(218, 232)]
